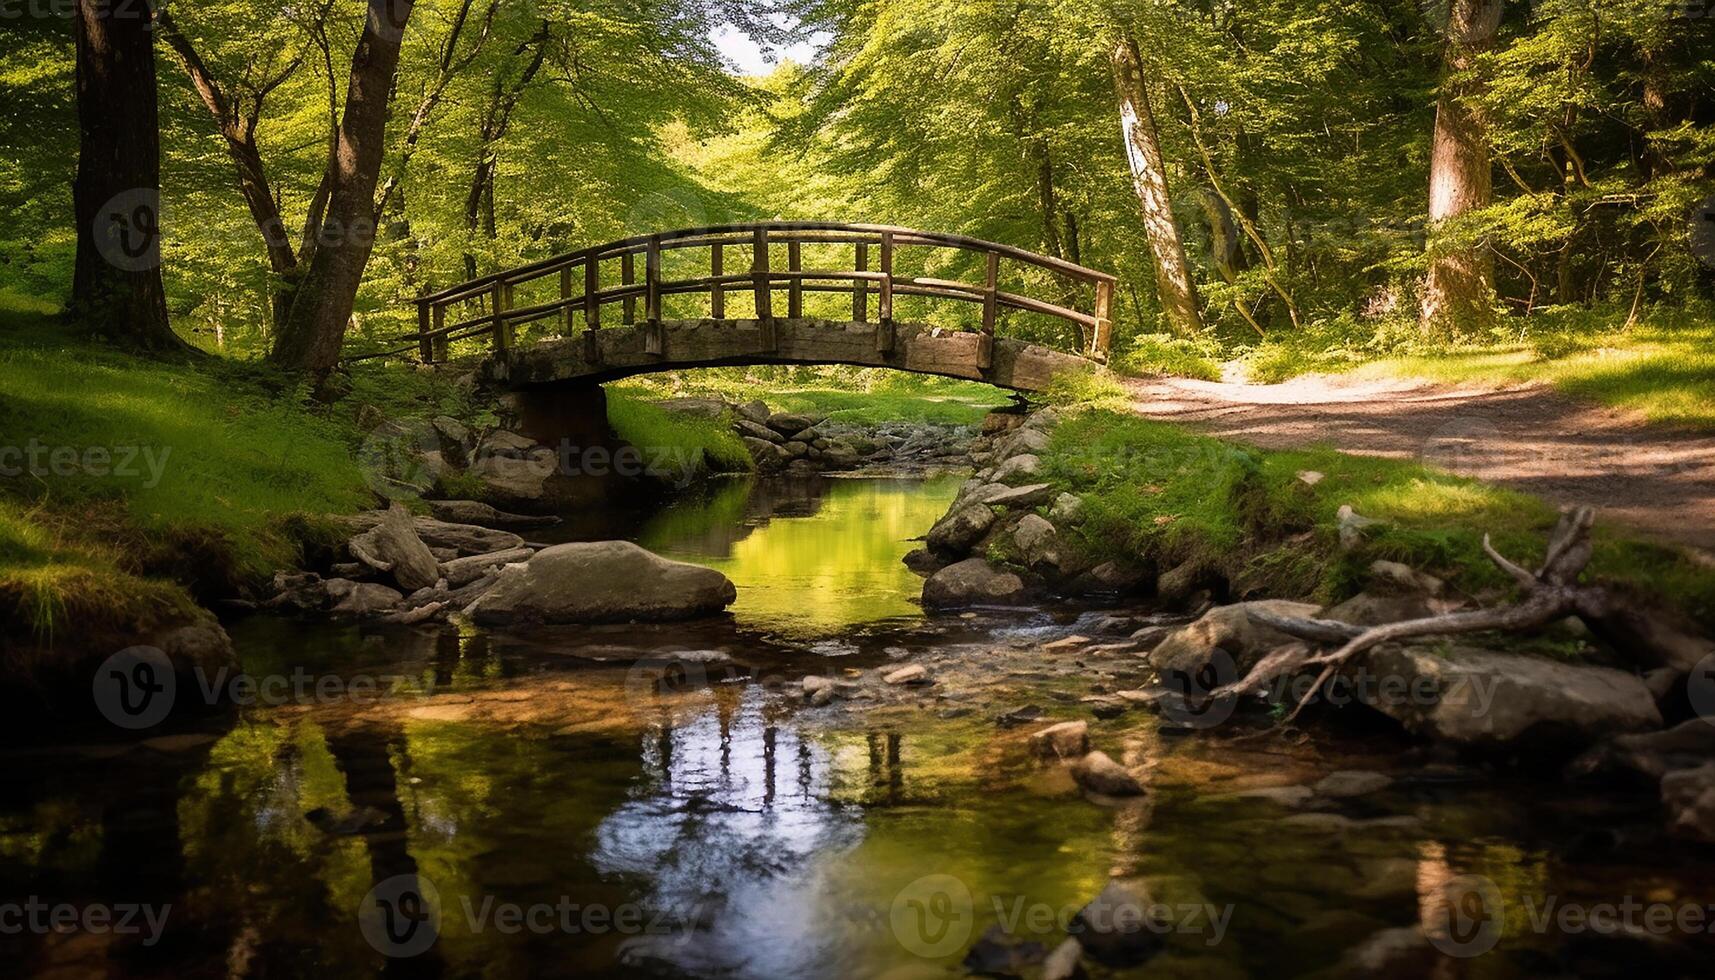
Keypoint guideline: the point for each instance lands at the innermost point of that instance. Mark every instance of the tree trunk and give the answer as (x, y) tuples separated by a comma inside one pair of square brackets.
[(1458, 292), (1149, 178), (116, 282), (313, 331)]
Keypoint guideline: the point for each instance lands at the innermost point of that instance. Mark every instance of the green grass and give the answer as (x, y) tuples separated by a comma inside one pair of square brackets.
[(1161, 495), (214, 445), (710, 442), (859, 396), (1662, 367), (201, 470)]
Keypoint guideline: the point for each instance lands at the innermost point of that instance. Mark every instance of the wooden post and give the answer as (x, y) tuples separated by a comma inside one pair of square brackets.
[(763, 289), (502, 329), (592, 307), (565, 295), (654, 340), (443, 345), (425, 343), (860, 289), (1104, 321), (592, 286), (795, 289), (991, 306), (717, 292), (627, 277), (884, 333)]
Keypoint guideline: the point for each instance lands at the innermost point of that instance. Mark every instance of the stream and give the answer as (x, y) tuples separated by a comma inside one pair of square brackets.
[(656, 800)]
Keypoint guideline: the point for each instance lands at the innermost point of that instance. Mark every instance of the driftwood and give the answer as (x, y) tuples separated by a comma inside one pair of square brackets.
[(1656, 637)]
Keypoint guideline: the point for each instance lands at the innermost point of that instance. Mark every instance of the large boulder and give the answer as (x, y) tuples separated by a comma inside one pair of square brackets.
[(1018, 471), (754, 430), (602, 582), (1031, 441), (1475, 696), (1121, 926), (956, 533), (1037, 542), (1187, 650), (515, 480), (790, 424), (971, 582)]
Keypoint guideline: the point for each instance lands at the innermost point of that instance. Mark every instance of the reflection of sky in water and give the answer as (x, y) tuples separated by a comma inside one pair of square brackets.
[(733, 819)]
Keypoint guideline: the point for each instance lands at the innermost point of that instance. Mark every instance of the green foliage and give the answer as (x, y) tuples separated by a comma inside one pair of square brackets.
[(1158, 494), (1086, 389), (1159, 353)]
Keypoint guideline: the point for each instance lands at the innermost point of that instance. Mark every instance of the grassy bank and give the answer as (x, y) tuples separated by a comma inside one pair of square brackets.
[(637, 421), (1661, 367), (1266, 521)]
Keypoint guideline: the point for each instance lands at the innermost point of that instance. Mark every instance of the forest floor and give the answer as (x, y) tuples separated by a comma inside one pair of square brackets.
[(1653, 478)]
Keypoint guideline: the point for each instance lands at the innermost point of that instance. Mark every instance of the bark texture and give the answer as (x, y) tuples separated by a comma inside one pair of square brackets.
[(116, 281), (312, 332), (1458, 291), (1149, 178)]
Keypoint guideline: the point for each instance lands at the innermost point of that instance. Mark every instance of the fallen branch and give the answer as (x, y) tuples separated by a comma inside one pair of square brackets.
[(1551, 593)]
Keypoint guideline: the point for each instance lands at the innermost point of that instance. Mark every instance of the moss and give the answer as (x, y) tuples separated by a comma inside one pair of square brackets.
[(706, 444)]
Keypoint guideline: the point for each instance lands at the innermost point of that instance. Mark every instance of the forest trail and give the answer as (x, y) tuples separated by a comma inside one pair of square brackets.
[(1529, 437)]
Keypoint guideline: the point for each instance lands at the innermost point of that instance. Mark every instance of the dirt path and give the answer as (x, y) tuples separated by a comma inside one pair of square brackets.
[(1657, 480)]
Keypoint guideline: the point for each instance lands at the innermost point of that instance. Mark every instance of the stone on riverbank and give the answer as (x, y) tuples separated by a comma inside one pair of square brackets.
[(602, 582), (1480, 696), (956, 533), (1689, 796), (1230, 629), (971, 582)]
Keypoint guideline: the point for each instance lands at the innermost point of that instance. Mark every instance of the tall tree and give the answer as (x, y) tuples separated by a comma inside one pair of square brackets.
[(1458, 291), (1173, 283), (116, 282), (313, 330)]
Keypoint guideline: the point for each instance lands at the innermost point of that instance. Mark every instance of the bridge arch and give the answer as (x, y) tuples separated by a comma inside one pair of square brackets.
[(574, 296)]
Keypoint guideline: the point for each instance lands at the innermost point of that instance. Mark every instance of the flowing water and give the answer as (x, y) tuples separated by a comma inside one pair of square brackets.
[(649, 800)]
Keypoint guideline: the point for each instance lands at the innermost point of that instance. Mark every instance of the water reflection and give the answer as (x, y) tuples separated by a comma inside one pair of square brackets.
[(750, 839), (810, 557)]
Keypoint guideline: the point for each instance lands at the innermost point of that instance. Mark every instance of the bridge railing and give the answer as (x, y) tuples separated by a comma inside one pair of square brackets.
[(581, 292)]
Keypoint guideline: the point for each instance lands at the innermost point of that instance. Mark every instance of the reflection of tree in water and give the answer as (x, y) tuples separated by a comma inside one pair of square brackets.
[(733, 813)]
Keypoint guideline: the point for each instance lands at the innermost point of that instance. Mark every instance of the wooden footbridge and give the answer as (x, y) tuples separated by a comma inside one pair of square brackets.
[(546, 323)]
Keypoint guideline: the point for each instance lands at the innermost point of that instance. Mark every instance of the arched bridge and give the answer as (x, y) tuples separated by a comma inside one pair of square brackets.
[(553, 321)]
